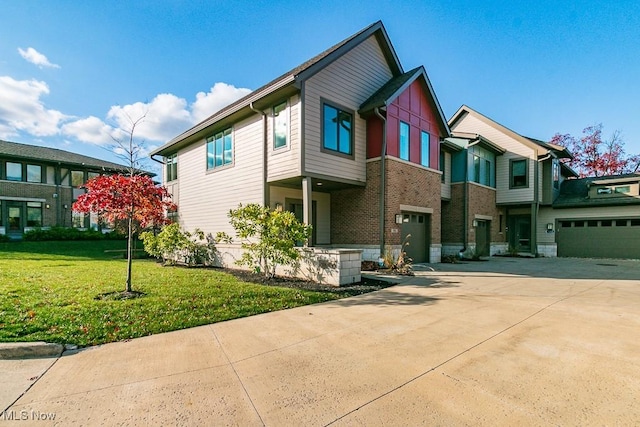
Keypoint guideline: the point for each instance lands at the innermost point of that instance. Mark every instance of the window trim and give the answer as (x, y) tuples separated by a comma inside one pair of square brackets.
[(171, 163), (352, 144), (408, 143), (422, 145), (6, 171), (286, 111), (526, 174), (212, 139)]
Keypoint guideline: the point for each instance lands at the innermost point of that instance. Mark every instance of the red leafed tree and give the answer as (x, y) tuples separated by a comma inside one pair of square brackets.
[(594, 156), (134, 199)]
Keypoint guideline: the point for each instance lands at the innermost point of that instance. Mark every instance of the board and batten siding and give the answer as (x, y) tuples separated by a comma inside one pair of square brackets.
[(514, 150), (206, 196), (550, 215), (285, 162), (348, 81), (323, 209)]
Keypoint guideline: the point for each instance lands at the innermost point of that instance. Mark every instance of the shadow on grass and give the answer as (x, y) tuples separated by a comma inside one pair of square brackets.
[(89, 249)]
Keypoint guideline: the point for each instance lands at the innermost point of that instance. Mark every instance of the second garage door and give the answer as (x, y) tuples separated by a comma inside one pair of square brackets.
[(599, 238)]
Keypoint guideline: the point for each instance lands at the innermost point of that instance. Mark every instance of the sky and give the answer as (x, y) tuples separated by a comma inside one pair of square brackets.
[(74, 72)]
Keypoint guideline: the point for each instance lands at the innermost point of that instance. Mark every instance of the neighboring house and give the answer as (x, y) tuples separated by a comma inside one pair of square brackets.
[(38, 185), (596, 217), (348, 141), (526, 181), (472, 222)]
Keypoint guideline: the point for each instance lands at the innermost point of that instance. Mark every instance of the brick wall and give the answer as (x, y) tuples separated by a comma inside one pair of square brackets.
[(452, 216), (482, 201), (409, 184), (355, 212), (56, 214)]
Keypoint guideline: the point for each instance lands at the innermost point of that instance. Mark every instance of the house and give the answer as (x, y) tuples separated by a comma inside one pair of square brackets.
[(38, 185), (596, 217), (349, 141), (509, 182)]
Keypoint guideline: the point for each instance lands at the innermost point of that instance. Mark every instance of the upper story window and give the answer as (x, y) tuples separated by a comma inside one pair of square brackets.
[(77, 178), (14, 171), (424, 148), (172, 167), (337, 130), (476, 169), (34, 173), (280, 126), (220, 149), (556, 174), (442, 177), (518, 176), (404, 141)]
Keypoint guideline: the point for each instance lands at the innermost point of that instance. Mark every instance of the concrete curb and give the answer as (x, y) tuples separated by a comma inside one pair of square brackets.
[(30, 350)]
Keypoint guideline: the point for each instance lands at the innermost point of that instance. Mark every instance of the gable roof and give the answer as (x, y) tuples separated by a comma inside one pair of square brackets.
[(287, 83), (54, 155), (539, 147), (398, 84)]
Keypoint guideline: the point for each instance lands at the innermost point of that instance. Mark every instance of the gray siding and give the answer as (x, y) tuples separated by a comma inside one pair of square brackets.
[(515, 150), (205, 197), (445, 187), (348, 81)]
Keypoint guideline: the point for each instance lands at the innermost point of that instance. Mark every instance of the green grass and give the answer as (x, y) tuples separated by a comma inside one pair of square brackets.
[(48, 293)]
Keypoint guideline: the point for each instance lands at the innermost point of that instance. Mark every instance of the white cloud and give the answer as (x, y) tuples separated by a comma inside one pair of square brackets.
[(91, 129), (220, 95), (21, 108), (36, 58)]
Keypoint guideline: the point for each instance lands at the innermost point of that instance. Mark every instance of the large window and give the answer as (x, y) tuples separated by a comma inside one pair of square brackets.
[(404, 141), (337, 130), (220, 150), (34, 214), (424, 148), (14, 171), (487, 172), (518, 174), (77, 178), (280, 126), (34, 173), (172, 167)]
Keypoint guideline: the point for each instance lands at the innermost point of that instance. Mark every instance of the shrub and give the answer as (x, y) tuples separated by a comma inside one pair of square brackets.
[(4, 238), (269, 237), (63, 233), (174, 245)]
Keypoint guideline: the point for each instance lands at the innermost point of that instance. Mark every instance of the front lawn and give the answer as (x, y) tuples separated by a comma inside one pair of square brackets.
[(48, 293)]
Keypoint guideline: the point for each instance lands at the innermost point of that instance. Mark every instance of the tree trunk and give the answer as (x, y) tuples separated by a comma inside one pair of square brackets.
[(129, 253)]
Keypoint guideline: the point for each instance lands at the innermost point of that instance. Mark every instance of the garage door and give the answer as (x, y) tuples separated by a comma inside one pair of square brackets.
[(599, 238), (416, 224)]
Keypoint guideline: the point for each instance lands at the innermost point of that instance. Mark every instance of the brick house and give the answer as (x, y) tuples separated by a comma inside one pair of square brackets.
[(38, 185), (348, 141)]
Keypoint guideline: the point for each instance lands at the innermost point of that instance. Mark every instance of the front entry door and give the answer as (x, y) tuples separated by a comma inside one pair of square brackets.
[(520, 233), (15, 219), (296, 207), (483, 237), (416, 225)]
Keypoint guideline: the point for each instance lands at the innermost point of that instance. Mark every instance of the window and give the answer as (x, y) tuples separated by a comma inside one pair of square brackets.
[(337, 130), (605, 223), (604, 190), (487, 172), (424, 148), (556, 174), (621, 223), (404, 141), (280, 125), (77, 178), (476, 169), (77, 220), (220, 150), (518, 172), (91, 175), (34, 173), (623, 189), (442, 178), (172, 167), (14, 171), (34, 214)]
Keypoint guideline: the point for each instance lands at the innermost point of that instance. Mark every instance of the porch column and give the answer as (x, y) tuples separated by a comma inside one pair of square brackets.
[(307, 203)]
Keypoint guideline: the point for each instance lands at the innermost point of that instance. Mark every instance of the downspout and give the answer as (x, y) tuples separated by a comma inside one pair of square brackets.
[(465, 204), (265, 187), (536, 206), (383, 183)]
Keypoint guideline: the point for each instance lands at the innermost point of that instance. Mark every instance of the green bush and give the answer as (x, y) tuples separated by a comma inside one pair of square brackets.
[(63, 233), (174, 245), (4, 238)]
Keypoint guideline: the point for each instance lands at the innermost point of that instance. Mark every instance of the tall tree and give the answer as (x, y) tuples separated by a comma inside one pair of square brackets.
[(135, 199), (595, 156)]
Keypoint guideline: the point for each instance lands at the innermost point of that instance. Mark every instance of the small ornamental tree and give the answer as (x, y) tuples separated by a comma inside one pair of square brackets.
[(269, 237), (595, 156), (136, 200)]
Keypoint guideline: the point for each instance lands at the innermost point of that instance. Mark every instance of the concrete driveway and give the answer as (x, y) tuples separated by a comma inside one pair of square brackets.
[(502, 342)]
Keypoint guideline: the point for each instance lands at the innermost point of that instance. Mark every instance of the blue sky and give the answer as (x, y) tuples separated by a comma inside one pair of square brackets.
[(71, 71)]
